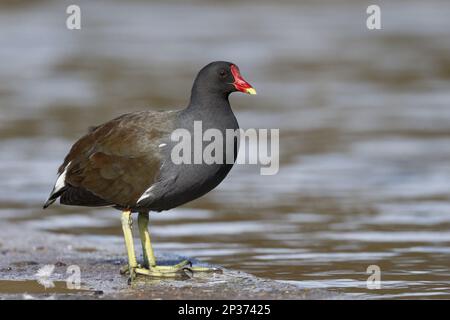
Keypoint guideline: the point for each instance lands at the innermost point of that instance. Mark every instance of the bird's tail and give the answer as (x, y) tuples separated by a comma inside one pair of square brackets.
[(48, 203), (52, 198)]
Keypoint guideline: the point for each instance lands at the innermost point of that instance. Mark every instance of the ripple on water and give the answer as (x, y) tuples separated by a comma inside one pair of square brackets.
[(364, 133)]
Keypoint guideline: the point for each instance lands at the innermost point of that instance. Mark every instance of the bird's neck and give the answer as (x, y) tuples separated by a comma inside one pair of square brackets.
[(213, 110), (202, 99)]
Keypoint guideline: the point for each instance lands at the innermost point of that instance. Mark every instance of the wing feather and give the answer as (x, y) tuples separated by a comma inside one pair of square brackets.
[(117, 161)]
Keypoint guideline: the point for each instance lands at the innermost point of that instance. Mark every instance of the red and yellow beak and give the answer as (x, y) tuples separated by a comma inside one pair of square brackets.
[(239, 83)]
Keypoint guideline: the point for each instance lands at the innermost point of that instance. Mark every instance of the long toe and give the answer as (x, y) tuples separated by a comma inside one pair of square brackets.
[(165, 273), (124, 270), (176, 267), (206, 269)]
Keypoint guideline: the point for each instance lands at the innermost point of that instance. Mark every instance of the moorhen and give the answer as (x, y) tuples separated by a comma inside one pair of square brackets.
[(126, 163)]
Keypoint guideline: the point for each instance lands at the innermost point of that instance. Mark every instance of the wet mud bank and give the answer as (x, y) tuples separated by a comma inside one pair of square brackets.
[(42, 265)]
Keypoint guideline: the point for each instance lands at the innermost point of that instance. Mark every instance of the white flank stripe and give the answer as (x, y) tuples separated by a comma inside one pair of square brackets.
[(146, 194), (61, 181)]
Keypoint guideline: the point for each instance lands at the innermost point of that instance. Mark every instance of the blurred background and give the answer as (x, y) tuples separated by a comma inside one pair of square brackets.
[(364, 119)]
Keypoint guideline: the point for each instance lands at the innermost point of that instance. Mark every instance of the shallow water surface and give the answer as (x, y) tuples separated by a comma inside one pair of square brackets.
[(364, 121), (33, 287)]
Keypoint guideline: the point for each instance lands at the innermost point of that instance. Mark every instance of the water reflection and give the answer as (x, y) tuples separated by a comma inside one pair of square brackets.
[(364, 119)]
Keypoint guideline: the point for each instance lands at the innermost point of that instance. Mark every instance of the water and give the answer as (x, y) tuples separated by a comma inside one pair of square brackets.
[(364, 122)]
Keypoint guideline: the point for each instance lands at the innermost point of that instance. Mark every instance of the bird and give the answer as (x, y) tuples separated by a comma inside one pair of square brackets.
[(126, 163)]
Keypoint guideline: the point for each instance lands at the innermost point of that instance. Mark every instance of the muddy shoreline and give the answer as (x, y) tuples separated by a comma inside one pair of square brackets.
[(364, 173), (24, 252)]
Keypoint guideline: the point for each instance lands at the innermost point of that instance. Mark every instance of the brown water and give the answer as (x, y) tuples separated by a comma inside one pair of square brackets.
[(33, 287), (364, 120)]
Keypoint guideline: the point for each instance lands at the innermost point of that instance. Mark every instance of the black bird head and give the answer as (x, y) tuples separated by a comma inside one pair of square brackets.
[(221, 77)]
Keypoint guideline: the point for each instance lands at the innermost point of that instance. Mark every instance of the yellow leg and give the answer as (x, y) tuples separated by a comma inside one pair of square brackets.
[(184, 268), (149, 256), (127, 222)]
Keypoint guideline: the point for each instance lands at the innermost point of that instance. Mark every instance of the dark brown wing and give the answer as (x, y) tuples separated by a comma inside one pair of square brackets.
[(120, 159), (81, 197)]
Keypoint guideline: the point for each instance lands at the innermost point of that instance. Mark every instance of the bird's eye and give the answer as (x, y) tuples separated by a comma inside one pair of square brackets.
[(222, 73)]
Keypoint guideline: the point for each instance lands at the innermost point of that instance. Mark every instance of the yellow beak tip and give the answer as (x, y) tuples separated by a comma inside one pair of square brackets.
[(251, 91)]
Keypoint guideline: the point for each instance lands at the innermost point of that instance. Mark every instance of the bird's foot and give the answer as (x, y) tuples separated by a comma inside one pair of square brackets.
[(130, 271), (183, 269)]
